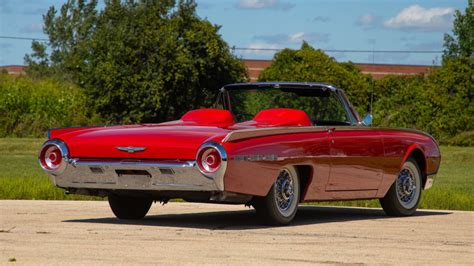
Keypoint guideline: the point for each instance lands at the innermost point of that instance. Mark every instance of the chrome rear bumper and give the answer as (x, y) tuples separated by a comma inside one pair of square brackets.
[(136, 175)]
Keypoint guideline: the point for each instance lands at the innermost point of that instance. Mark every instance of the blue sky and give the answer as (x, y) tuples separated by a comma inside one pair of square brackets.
[(326, 24)]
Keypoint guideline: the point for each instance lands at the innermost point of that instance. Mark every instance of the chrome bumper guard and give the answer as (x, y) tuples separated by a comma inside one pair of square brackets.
[(136, 175), (429, 182)]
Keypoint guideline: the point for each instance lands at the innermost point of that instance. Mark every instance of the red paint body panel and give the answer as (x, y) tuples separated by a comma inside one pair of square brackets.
[(299, 149), (161, 142), (362, 163), (356, 157)]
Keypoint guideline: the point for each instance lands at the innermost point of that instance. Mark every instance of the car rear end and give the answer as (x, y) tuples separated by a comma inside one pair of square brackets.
[(156, 162)]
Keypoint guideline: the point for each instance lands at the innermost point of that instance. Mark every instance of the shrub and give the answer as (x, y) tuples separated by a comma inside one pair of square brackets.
[(29, 107), (440, 104)]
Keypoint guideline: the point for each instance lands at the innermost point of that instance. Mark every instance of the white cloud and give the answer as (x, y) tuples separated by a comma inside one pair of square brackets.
[(419, 18), (259, 50), (295, 38), (264, 4), (366, 20), (265, 46)]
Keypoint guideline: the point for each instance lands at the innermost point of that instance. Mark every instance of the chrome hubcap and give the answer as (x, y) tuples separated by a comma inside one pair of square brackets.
[(406, 186), (284, 190)]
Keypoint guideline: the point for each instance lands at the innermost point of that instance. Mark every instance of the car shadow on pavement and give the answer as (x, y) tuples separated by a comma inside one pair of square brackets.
[(247, 219)]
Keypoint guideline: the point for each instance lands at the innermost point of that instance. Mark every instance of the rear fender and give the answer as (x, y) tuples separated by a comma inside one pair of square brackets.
[(56, 132)]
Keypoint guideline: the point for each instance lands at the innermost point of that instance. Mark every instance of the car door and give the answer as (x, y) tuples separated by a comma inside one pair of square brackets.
[(356, 155)]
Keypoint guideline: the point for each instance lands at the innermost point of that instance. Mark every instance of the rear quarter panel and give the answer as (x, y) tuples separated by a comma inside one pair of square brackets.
[(256, 177)]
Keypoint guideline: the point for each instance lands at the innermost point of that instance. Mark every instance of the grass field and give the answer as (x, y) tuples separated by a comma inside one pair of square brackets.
[(22, 178)]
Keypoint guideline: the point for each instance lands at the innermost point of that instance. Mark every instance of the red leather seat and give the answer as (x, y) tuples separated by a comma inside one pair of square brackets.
[(282, 117)]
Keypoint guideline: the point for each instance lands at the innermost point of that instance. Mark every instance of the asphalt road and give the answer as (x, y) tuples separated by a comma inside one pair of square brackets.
[(79, 232)]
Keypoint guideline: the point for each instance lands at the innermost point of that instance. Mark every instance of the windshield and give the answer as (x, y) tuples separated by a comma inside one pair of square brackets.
[(323, 107)]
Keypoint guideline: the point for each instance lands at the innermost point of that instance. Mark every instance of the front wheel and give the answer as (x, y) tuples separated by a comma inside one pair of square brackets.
[(404, 195), (281, 203), (129, 207)]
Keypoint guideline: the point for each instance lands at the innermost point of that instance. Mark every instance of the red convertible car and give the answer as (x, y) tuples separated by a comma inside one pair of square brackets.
[(268, 145)]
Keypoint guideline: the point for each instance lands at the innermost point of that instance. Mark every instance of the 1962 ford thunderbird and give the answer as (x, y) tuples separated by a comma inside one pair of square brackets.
[(268, 145)]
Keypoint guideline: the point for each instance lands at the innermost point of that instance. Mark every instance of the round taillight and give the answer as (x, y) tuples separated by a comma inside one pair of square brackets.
[(51, 157), (54, 156), (209, 160)]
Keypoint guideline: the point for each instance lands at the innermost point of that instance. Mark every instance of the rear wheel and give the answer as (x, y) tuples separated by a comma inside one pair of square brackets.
[(129, 207), (281, 203), (404, 195)]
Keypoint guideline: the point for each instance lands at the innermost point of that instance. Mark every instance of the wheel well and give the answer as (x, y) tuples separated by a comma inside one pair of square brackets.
[(305, 173), (419, 157)]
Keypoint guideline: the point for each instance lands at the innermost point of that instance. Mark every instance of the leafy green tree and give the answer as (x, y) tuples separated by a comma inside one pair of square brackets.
[(440, 103), (138, 60), (311, 65), (461, 44), (70, 33)]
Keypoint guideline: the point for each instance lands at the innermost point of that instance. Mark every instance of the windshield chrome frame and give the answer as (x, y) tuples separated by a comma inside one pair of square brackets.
[(339, 93)]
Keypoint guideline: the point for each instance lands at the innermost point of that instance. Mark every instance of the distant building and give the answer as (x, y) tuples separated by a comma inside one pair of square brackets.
[(254, 67), (13, 69)]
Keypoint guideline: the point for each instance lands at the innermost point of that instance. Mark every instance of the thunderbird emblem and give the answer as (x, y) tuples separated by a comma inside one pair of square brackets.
[(131, 149)]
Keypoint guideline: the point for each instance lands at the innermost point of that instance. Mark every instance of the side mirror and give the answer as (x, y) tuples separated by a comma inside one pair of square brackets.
[(367, 121)]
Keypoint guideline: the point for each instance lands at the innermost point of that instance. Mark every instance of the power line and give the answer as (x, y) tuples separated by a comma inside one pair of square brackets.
[(276, 50), (23, 38), (345, 51)]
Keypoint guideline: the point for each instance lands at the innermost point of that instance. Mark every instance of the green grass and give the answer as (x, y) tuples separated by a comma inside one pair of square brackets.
[(22, 178)]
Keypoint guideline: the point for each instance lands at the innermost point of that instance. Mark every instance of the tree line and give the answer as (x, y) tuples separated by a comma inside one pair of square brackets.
[(141, 61)]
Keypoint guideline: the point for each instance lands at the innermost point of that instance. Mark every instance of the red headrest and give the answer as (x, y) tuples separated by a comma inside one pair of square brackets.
[(282, 117), (209, 117)]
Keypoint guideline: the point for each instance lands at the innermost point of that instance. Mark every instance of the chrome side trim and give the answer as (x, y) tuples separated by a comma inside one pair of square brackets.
[(260, 132)]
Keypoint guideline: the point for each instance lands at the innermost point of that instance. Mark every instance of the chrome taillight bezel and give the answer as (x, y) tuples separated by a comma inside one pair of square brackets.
[(220, 170), (62, 147)]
